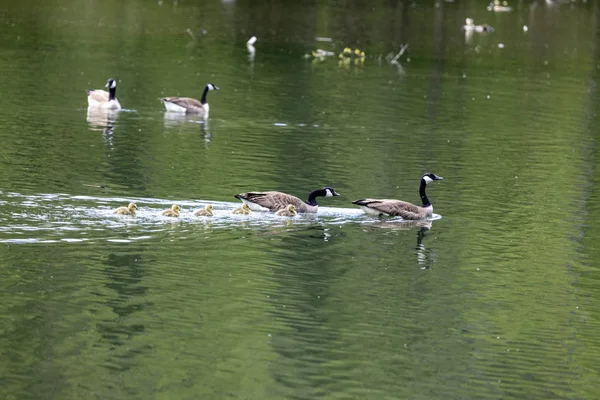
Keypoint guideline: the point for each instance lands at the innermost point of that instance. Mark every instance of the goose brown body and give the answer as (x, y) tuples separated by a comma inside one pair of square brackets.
[(275, 201), (395, 208), (189, 104), (99, 96)]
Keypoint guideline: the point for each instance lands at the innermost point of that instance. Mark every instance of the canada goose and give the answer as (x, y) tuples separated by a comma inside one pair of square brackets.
[(275, 201), (471, 27), (495, 6), (398, 208), (289, 211), (244, 209), (104, 99), (205, 212), (129, 210), (172, 212), (189, 105)]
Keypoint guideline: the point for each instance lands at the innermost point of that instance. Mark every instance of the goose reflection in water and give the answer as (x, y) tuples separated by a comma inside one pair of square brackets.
[(179, 120), (421, 226), (104, 120), (423, 257)]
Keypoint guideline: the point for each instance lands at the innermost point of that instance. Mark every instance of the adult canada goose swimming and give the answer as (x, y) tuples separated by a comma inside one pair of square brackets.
[(471, 27), (189, 105), (104, 99), (129, 210), (205, 212), (289, 211), (275, 201), (244, 209), (172, 212), (398, 208)]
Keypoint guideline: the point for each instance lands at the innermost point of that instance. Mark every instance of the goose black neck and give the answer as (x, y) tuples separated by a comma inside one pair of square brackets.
[(424, 200), (204, 93), (112, 93), (312, 197)]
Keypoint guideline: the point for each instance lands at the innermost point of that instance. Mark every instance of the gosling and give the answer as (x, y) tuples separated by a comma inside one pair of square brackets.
[(244, 209), (172, 212), (129, 210), (289, 211), (205, 212)]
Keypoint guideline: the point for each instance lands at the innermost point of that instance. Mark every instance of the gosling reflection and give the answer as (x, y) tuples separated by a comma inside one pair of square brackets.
[(123, 294), (100, 119), (189, 121)]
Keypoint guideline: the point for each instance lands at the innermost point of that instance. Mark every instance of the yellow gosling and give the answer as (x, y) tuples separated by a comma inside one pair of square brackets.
[(172, 212), (244, 209), (289, 211), (129, 210), (205, 212)]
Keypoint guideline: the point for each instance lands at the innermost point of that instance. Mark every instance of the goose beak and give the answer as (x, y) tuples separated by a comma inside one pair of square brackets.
[(438, 178), (336, 194)]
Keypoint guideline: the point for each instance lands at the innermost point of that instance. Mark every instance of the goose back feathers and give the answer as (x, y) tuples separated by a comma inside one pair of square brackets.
[(275, 201)]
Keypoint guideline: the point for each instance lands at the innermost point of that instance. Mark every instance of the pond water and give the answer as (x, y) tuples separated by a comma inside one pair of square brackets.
[(495, 297)]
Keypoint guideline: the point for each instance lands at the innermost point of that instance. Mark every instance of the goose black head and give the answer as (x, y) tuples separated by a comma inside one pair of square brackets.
[(210, 86), (329, 192), (111, 83), (429, 177)]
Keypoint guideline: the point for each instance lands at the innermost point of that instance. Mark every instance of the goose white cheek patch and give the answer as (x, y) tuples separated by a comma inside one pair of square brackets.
[(427, 179)]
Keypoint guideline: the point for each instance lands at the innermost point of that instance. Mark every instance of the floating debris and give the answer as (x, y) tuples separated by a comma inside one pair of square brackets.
[(322, 53), (323, 39), (318, 55), (471, 27), (393, 59), (497, 7), (250, 47)]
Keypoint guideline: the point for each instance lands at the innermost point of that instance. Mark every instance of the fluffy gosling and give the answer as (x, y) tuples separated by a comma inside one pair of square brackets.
[(129, 210), (244, 209), (289, 211), (172, 212), (205, 212)]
